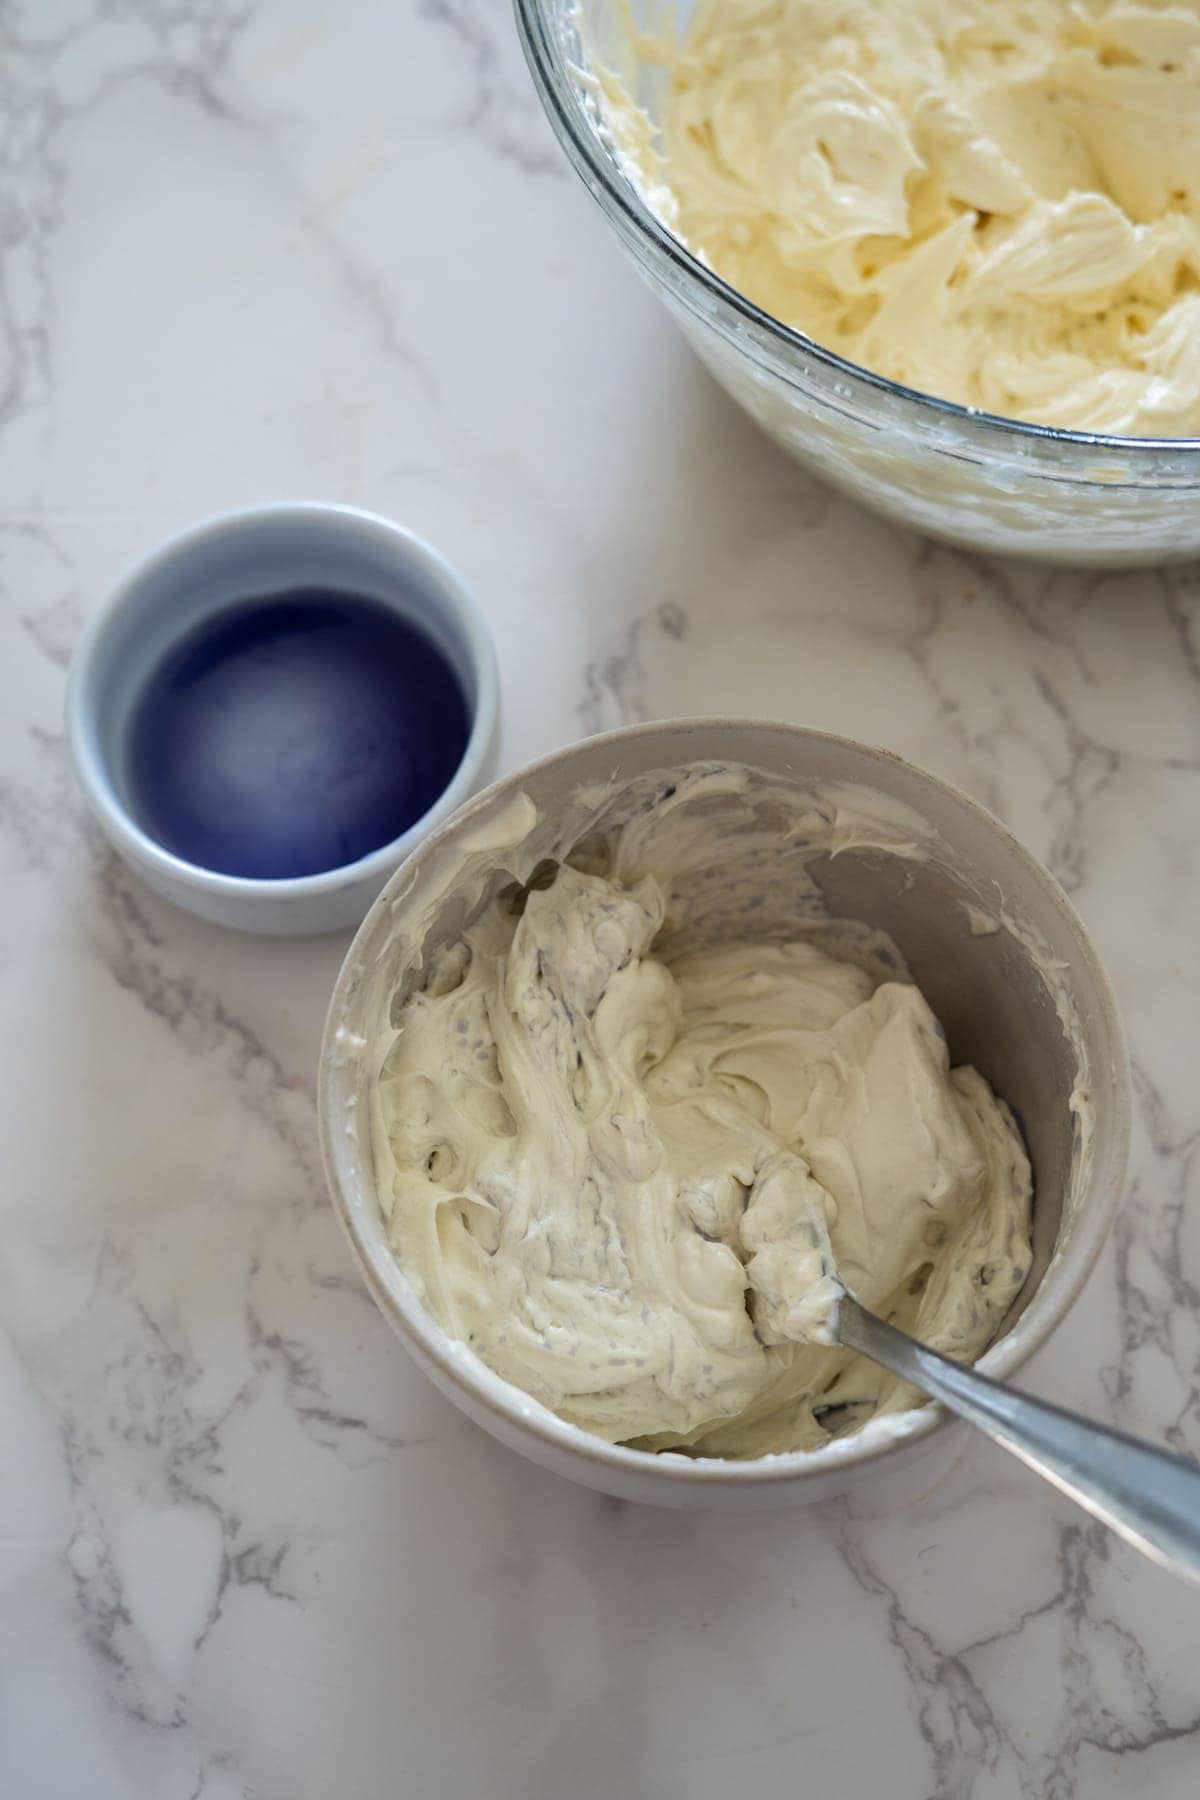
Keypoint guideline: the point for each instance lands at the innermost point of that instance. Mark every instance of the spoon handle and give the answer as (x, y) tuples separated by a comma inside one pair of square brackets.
[(1145, 1494)]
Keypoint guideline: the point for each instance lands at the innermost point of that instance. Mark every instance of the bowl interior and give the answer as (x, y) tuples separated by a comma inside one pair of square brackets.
[(604, 32), (983, 929)]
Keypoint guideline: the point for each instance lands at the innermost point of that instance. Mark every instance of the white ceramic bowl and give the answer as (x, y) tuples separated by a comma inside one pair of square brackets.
[(267, 549), (987, 933)]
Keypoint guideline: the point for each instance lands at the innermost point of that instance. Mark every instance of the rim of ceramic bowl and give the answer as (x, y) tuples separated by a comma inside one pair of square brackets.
[(593, 164), (93, 770), (477, 1387)]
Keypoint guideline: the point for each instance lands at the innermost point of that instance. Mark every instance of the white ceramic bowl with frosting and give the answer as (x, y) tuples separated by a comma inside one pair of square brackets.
[(985, 931)]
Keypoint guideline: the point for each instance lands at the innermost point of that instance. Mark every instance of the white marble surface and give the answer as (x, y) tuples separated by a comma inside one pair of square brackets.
[(251, 251)]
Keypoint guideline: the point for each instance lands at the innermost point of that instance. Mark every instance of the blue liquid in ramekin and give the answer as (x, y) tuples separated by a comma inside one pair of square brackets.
[(294, 733)]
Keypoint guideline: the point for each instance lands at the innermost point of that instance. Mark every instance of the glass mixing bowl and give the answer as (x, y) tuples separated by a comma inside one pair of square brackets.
[(968, 477)]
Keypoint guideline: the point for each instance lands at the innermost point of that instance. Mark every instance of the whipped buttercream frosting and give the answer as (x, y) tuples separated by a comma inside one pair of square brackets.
[(993, 201), (631, 1164)]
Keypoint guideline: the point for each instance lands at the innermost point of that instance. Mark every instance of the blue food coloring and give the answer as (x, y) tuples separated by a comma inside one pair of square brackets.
[(293, 733)]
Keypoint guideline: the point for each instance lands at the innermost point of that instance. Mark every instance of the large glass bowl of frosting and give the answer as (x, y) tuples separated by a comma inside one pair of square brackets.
[(945, 252)]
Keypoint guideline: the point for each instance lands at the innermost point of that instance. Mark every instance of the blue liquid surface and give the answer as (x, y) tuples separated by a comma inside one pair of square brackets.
[(293, 733)]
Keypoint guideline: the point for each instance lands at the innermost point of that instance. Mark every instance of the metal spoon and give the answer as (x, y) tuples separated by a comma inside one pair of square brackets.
[(1146, 1495)]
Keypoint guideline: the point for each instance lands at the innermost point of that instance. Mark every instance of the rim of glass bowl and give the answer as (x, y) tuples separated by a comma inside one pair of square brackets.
[(598, 168)]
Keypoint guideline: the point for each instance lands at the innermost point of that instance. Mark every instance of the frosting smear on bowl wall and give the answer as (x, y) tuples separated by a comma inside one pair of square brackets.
[(630, 1161), (997, 203)]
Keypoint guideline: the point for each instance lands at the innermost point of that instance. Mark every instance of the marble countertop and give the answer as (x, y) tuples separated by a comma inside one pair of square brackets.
[(283, 249)]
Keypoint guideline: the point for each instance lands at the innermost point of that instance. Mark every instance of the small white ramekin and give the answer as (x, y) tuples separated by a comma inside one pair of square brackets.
[(258, 550), (989, 936)]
